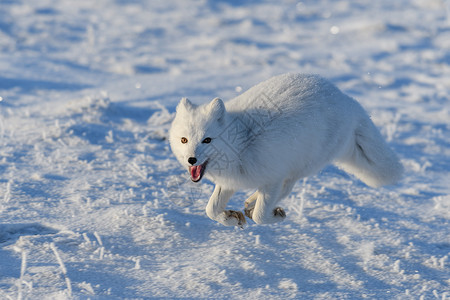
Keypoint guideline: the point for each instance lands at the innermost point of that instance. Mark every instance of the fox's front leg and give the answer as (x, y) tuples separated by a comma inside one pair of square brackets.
[(216, 208)]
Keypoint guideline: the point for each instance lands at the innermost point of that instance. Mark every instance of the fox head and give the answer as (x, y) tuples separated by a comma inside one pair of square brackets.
[(195, 135)]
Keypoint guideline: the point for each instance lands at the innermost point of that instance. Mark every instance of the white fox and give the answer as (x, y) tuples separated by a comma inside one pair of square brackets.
[(283, 129)]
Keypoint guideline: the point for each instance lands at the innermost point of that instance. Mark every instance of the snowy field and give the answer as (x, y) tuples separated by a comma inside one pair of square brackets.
[(93, 204)]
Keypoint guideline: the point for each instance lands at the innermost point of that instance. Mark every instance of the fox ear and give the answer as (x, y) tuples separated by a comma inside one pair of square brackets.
[(217, 108), (185, 103)]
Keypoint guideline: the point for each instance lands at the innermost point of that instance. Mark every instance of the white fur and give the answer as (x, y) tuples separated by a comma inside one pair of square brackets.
[(283, 129)]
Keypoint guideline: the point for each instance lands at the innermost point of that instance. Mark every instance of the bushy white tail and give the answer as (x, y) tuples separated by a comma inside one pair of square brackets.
[(370, 158)]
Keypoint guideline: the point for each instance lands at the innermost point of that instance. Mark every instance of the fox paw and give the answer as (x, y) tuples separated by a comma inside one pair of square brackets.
[(277, 215), (249, 208), (279, 212), (249, 212), (236, 218)]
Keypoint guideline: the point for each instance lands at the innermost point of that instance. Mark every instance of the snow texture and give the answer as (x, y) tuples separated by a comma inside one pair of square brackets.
[(93, 204)]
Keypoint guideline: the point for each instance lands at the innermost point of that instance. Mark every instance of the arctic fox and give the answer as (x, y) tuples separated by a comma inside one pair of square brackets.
[(283, 129)]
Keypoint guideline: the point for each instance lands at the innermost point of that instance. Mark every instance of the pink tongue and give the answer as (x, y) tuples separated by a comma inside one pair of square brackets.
[(195, 172)]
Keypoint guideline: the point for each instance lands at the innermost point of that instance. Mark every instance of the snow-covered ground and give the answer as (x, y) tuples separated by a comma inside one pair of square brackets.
[(94, 205)]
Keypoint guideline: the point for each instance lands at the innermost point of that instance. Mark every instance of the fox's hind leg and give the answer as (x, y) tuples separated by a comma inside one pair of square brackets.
[(250, 204), (286, 189), (265, 210), (288, 184), (216, 208)]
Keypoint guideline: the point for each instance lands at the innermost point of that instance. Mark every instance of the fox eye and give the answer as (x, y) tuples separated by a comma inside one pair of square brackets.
[(206, 140), (184, 140)]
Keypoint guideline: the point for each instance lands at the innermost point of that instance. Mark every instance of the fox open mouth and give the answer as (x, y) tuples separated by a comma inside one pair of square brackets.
[(197, 171)]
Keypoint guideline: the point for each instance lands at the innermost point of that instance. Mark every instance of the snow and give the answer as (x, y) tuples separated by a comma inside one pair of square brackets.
[(93, 204)]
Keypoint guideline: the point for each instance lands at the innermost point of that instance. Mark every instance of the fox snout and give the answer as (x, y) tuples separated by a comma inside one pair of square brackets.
[(196, 171), (192, 160)]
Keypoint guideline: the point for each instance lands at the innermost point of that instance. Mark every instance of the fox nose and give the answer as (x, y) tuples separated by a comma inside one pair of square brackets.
[(192, 160)]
